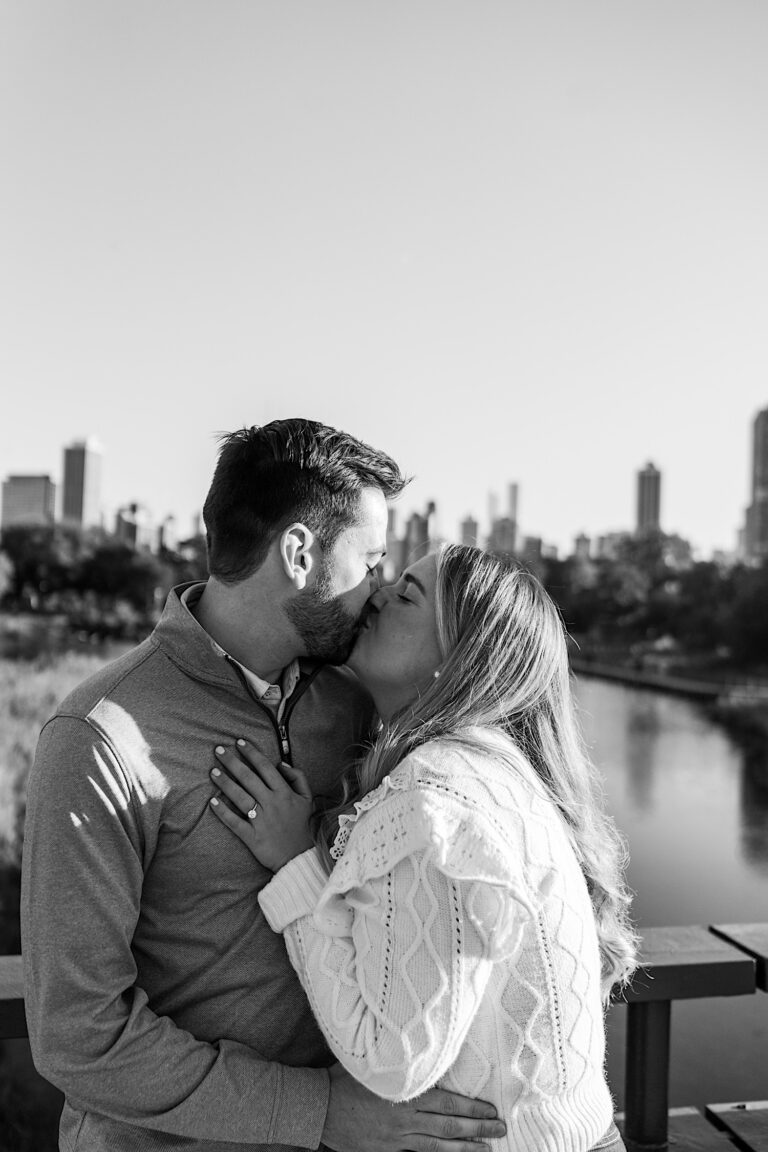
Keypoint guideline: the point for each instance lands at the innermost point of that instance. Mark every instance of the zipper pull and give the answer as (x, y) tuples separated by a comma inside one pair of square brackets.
[(283, 732)]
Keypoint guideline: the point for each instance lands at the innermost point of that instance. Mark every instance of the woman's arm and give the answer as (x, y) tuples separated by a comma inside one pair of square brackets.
[(394, 969), (396, 947)]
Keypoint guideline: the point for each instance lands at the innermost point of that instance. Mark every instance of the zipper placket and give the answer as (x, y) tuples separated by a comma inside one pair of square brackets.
[(280, 726), (282, 732)]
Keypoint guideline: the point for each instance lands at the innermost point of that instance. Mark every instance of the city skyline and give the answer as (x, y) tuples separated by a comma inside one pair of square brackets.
[(138, 524), (541, 253)]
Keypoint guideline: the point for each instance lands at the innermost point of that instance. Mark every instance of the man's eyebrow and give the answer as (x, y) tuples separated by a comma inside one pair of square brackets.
[(409, 579)]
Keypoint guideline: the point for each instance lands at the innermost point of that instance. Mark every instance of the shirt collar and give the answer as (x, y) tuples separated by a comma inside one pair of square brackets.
[(262, 688)]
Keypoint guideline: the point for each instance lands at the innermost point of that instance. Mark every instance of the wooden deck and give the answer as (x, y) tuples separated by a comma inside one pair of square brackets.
[(677, 964), (683, 964)]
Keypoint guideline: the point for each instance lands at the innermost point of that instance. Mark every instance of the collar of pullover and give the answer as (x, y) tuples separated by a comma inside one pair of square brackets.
[(189, 646)]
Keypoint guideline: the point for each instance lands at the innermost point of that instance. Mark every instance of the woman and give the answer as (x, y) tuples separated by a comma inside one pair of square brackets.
[(462, 917)]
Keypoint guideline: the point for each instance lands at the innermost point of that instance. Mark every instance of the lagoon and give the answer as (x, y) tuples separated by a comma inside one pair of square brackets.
[(692, 803)]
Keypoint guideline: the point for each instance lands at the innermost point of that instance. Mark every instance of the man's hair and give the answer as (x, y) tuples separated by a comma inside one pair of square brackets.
[(285, 472)]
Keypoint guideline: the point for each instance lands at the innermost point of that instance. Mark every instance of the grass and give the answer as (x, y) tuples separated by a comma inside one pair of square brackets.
[(29, 695)]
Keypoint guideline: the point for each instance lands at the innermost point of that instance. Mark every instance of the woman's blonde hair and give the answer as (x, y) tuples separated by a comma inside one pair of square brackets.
[(505, 677)]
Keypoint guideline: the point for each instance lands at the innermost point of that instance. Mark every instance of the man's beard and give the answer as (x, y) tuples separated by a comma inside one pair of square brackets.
[(327, 628)]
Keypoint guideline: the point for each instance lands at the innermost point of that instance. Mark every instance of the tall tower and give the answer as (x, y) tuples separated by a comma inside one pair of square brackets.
[(419, 534), (493, 508), (82, 483), (512, 510), (648, 499), (757, 512), (470, 530), (28, 500)]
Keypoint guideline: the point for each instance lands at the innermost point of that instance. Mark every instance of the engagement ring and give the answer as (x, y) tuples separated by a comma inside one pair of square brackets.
[(253, 812)]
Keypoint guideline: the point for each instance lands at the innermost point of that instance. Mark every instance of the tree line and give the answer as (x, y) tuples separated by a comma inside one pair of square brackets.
[(645, 594), (100, 583)]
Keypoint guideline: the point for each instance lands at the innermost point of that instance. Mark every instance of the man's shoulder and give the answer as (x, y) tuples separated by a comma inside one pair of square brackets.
[(131, 667)]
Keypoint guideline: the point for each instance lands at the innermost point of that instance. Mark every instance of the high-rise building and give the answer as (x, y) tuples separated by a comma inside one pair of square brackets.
[(82, 483), (134, 527), (419, 535), (28, 500), (756, 535), (493, 508), (582, 546), (610, 545), (648, 499), (168, 535), (512, 509), (503, 537), (470, 532)]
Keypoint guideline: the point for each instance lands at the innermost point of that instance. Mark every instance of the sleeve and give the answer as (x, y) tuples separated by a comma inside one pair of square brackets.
[(396, 947), (92, 1031)]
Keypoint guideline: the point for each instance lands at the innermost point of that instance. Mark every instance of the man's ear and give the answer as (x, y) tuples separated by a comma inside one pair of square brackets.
[(296, 554)]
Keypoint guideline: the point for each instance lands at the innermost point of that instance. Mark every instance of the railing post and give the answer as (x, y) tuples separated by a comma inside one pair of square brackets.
[(646, 1099)]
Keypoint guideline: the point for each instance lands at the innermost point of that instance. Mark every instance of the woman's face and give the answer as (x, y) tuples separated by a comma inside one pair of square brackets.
[(397, 653)]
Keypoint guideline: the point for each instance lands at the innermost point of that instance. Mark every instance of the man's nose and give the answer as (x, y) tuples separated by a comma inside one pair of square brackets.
[(375, 579)]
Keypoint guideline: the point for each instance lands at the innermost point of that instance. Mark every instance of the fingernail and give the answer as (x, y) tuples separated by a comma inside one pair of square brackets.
[(215, 772), (214, 801), (241, 743), (220, 750)]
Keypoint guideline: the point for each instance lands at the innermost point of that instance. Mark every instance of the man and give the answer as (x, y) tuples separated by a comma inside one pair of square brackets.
[(157, 998)]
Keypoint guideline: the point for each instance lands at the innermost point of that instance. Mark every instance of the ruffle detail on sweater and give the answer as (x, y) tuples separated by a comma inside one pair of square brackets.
[(408, 813), (402, 781)]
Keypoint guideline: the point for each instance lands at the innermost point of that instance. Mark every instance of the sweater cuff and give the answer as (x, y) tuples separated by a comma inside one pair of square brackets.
[(301, 1127), (293, 891)]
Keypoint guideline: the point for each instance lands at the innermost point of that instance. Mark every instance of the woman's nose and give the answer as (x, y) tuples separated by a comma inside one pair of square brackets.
[(378, 599)]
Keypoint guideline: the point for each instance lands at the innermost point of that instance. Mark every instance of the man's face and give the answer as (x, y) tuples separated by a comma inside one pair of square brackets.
[(327, 613)]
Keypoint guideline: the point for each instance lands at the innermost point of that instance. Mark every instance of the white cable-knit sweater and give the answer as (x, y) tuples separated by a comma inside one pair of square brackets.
[(454, 941)]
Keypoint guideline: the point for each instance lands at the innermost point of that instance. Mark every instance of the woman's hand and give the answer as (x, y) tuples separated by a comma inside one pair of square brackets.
[(270, 806)]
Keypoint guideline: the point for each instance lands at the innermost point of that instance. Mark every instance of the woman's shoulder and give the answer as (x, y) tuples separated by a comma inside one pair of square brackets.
[(473, 780), (479, 766), (455, 799), (437, 767)]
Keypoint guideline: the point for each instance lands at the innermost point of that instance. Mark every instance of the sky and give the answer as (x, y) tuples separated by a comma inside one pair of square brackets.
[(503, 240)]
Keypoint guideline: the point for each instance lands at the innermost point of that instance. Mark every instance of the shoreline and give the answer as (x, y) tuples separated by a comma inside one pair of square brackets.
[(740, 708)]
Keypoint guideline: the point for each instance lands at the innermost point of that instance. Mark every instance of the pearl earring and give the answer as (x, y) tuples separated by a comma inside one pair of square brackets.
[(436, 675)]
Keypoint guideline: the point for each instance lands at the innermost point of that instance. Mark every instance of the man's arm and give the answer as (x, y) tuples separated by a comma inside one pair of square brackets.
[(438, 1121), (92, 1031)]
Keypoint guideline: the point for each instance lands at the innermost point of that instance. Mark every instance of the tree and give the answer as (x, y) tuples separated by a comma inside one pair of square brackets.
[(115, 572), (43, 558), (747, 622)]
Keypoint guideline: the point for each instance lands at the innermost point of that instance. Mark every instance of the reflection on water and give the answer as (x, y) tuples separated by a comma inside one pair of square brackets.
[(691, 801), (693, 805), (642, 735), (754, 810)]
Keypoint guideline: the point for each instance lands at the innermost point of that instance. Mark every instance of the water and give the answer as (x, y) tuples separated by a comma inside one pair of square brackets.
[(693, 805)]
